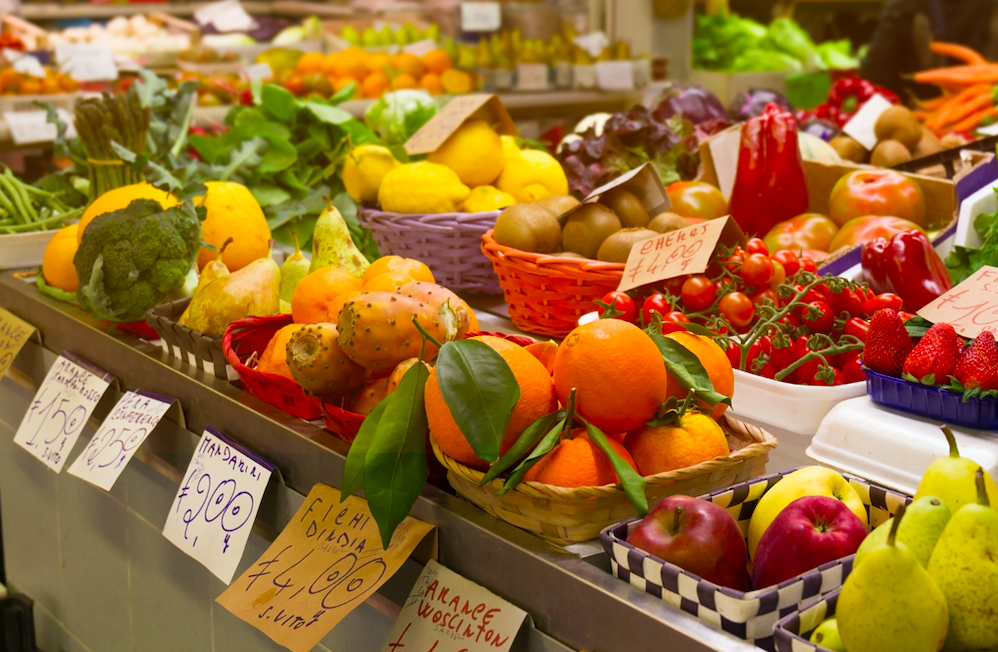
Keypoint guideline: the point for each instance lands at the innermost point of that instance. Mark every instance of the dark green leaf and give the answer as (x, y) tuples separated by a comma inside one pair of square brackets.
[(212, 150), (303, 227), (353, 469), (344, 93), (399, 153), (358, 132), (278, 102), (320, 133), (481, 392), (280, 155), (930, 379), (308, 148), (630, 480), (291, 183), (909, 377), (268, 195), (686, 368), (280, 214), (527, 439), (545, 446), (328, 114), (697, 329), (917, 326), (395, 467)]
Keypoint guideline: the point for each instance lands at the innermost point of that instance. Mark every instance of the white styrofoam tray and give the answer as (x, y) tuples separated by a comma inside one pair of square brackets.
[(892, 448), (24, 250), (983, 201)]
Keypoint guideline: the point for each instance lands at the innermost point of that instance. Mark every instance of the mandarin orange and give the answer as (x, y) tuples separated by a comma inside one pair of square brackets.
[(714, 361), (578, 462)]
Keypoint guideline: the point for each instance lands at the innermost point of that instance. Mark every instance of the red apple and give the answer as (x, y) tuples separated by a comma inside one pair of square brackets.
[(809, 532), (876, 192), (699, 537), (697, 199)]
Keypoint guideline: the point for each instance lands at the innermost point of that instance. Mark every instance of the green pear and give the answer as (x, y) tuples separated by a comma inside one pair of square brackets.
[(965, 566), (369, 38), (951, 479), (332, 245), (891, 603), (827, 636), (350, 35), (432, 32), (253, 291), (294, 269), (925, 520), (386, 36), (213, 270)]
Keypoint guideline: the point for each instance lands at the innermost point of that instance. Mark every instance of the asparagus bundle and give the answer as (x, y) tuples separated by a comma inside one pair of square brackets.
[(120, 118)]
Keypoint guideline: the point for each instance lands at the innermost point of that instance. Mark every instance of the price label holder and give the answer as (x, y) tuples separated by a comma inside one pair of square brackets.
[(439, 128), (325, 563), (971, 307), (481, 16), (216, 505), (61, 408), (860, 127), (615, 75), (123, 431), (27, 127), (14, 334), (431, 619), (86, 62)]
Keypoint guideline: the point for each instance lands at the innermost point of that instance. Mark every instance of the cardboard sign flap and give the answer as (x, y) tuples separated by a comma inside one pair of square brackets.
[(484, 106), (644, 182)]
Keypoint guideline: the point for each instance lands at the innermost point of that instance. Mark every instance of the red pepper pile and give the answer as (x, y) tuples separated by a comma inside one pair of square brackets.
[(845, 98)]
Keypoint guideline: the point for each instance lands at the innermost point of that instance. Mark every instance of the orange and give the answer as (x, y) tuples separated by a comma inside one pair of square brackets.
[(57, 263), (333, 311), (617, 371), (351, 62), (543, 351), (339, 83), (577, 462), (368, 398), (396, 377), (696, 438), (274, 359), (375, 84), (414, 269), (29, 86), (311, 62), (537, 398), (716, 363), (405, 80), (457, 82), (386, 282), (317, 291), (329, 64), (431, 83), (410, 63), (437, 61), (379, 62)]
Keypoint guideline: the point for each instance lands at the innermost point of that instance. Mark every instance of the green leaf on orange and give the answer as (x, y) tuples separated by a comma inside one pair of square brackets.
[(353, 469), (630, 480), (524, 443), (545, 446), (686, 368)]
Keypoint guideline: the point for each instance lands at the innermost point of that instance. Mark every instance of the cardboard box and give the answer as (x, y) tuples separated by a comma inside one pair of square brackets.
[(726, 85)]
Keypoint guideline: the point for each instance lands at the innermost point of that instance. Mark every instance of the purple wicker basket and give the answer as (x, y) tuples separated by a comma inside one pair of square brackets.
[(449, 243)]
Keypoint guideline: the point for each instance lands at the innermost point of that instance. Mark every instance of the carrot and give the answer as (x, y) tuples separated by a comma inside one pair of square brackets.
[(963, 111), (955, 103), (975, 119), (956, 51), (935, 103), (959, 75)]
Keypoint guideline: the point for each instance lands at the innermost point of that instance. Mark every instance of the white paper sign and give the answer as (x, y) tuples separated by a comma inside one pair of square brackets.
[(615, 75), (61, 408), (261, 71), (217, 503), (121, 434), (860, 127), (724, 150), (86, 62), (593, 43), (989, 130), (420, 48), (29, 65), (480, 16), (447, 613), (226, 16), (27, 127)]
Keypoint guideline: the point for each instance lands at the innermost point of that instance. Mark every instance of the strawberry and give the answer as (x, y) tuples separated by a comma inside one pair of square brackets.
[(978, 366), (887, 343), (936, 354)]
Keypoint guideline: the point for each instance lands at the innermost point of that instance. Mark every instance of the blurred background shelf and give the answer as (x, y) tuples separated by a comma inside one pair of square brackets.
[(40, 11)]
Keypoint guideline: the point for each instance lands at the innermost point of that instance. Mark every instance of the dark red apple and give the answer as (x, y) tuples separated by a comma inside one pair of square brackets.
[(809, 532), (699, 537), (876, 192)]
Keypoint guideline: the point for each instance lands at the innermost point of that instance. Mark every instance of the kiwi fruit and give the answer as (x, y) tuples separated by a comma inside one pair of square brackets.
[(900, 124), (586, 229), (848, 148), (668, 222), (627, 207), (617, 247), (928, 146), (528, 228), (889, 153), (558, 205), (951, 140)]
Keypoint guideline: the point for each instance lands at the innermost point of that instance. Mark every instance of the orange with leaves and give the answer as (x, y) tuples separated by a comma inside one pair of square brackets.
[(714, 361), (695, 438), (578, 462)]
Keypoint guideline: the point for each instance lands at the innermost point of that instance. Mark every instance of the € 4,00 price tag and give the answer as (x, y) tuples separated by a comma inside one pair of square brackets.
[(121, 434), (217, 503), (971, 307), (61, 408)]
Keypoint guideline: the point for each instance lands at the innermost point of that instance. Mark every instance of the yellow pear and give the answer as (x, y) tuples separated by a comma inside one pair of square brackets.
[(253, 291)]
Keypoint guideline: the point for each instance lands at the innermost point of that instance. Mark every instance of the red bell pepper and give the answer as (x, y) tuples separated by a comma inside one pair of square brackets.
[(848, 95), (769, 186), (908, 266)]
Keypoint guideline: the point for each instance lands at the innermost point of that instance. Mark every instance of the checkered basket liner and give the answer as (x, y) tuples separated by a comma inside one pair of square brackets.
[(748, 615), (195, 348), (793, 631)]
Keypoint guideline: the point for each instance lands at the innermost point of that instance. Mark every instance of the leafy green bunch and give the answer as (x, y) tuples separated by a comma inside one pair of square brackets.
[(964, 261)]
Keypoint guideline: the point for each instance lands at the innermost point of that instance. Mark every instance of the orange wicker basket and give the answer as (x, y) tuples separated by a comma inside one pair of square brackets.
[(247, 336), (548, 294)]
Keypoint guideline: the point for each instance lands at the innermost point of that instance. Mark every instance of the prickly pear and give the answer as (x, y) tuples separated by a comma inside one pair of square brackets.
[(318, 364), (368, 398), (437, 296)]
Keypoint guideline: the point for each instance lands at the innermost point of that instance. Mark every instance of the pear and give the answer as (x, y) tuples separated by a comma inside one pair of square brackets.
[(827, 636), (386, 36), (253, 291), (891, 603), (214, 269), (924, 523), (294, 269), (350, 35), (369, 38), (332, 245), (965, 566), (951, 479)]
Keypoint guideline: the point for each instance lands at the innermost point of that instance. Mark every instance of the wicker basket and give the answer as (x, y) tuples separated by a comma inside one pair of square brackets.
[(247, 336), (565, 515), (194, 347), (449, 244), (548, 294)]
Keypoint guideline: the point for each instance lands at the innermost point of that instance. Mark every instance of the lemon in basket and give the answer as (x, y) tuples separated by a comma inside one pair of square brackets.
[(533, 175), (474, 152), (487, 198), (422, 187), (365, 169)]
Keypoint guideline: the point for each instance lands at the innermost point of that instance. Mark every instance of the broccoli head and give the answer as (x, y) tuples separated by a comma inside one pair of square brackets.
[(130, 258)]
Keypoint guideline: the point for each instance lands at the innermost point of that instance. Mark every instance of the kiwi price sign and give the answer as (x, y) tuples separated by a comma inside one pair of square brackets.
[(667, 255)]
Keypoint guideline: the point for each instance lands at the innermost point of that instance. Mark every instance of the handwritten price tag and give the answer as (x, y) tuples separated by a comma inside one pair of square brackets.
[(14, 334), (61, 408), (686, 251), (480, 16), (325, 563), (971, 307), (121, 434), (86, 62), (217, 503), (448, 613)]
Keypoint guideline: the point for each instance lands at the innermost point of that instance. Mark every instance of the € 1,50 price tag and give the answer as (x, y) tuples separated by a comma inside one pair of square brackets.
[(60, 409), (217, 503), (121, 434)]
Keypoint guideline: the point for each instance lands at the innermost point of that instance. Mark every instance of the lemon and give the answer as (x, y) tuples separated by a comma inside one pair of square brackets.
[(531, 176), (474, 152), (119, 198), (422, 187), (57, 263), (364, 170), (486, 198), (233, 212), (509, 146)]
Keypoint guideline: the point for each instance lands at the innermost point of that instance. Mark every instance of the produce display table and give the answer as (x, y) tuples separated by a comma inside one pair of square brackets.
[(104, 578), (61, 11)]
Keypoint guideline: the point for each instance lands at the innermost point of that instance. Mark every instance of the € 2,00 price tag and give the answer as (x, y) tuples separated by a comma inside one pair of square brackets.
[(121, 434), (61, 408), (217, 503), (971, 307)]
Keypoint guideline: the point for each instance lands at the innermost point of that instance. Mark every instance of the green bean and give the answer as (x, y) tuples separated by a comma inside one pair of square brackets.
[(19, 186), (10, 204), (36, 226)]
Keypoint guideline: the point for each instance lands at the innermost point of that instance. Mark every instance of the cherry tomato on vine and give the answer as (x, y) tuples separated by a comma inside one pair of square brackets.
[(759, 296), (852, 368), (757, 270), (779, 275), (789, 260), (840, 379), (734, 353), (848, 301), (655, 303), (737, 308), (858, 328), (698, 293), (673, 322), (808, 265), (621, 302), (757, 246), (823, 321), (785, 356), (673, 286), (734, 262)]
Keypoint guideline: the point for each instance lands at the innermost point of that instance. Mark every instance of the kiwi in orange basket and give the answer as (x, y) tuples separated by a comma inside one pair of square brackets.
[(558, 205), (528, 227), (667, 222), (889, 153), (617, 247), (587, 228), (627, 207)]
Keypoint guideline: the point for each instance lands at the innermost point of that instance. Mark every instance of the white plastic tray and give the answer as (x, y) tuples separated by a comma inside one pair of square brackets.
[(24, 250), (983, 201), (892, 448)]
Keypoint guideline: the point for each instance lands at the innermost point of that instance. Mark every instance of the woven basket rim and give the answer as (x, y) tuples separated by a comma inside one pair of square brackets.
[(430, 220), (546, 262)]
